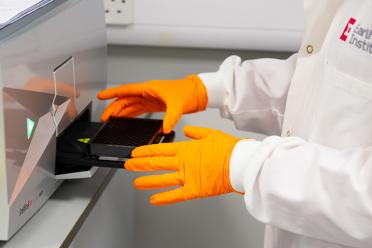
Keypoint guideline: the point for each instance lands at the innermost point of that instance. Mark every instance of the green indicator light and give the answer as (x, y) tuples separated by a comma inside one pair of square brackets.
[(84, 140), (30, 127)]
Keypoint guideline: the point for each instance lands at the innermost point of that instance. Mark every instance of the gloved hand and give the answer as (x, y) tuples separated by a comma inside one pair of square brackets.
[(201, 165), (175, 97)]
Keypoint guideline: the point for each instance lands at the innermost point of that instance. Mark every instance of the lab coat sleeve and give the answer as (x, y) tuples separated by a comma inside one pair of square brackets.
[(252, 93), (306, 188)]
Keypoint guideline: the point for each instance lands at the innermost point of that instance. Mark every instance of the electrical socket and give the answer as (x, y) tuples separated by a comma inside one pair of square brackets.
[(119, 12)]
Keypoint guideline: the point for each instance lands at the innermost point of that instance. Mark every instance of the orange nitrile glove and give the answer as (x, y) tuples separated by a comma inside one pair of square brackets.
[(201, 165), (175, 97)]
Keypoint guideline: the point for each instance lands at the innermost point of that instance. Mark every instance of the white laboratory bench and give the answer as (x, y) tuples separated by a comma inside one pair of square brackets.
[(60, 219)]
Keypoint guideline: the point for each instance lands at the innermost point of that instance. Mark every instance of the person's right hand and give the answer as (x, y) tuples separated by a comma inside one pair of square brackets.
[(174, 97)]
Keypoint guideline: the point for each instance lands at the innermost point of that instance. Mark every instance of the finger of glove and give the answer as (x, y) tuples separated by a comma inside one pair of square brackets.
[(151, 164), (169, 197), (165, 149), (131, 111), (157, 181), (172, 115), (145, 106), (134, 114), (116, 106), (194, 132), (126, 90)]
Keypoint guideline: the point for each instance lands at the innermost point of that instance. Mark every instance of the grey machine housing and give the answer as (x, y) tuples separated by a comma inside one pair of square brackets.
[(52, 64)]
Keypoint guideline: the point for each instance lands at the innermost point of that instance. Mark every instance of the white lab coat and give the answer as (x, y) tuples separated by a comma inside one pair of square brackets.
[(312, 185)]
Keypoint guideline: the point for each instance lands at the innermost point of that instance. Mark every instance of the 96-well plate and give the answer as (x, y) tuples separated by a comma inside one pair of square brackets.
[(119, 136)]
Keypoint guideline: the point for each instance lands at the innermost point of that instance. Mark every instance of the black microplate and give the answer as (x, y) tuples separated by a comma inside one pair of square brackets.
[(119, 136), (86, 144)]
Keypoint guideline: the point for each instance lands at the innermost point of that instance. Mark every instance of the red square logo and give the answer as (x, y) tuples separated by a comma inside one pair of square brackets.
[(347, 28)]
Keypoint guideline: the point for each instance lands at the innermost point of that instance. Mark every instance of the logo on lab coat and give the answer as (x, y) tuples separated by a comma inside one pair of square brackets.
[(357, 35), (347, 29)]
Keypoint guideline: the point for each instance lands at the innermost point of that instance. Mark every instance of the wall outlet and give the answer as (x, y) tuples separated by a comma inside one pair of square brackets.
[(119, 12)]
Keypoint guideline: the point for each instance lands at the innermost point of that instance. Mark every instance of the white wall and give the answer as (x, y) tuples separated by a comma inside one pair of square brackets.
[(239, 24), (216, 222)]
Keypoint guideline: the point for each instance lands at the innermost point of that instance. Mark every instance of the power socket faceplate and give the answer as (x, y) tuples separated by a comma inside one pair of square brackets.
[(119, 12)]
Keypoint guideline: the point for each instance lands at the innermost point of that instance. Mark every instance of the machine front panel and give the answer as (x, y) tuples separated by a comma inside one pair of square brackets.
[(51, 71)]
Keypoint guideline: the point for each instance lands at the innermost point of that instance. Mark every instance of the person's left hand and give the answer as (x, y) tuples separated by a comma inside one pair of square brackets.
[(201, 166)]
